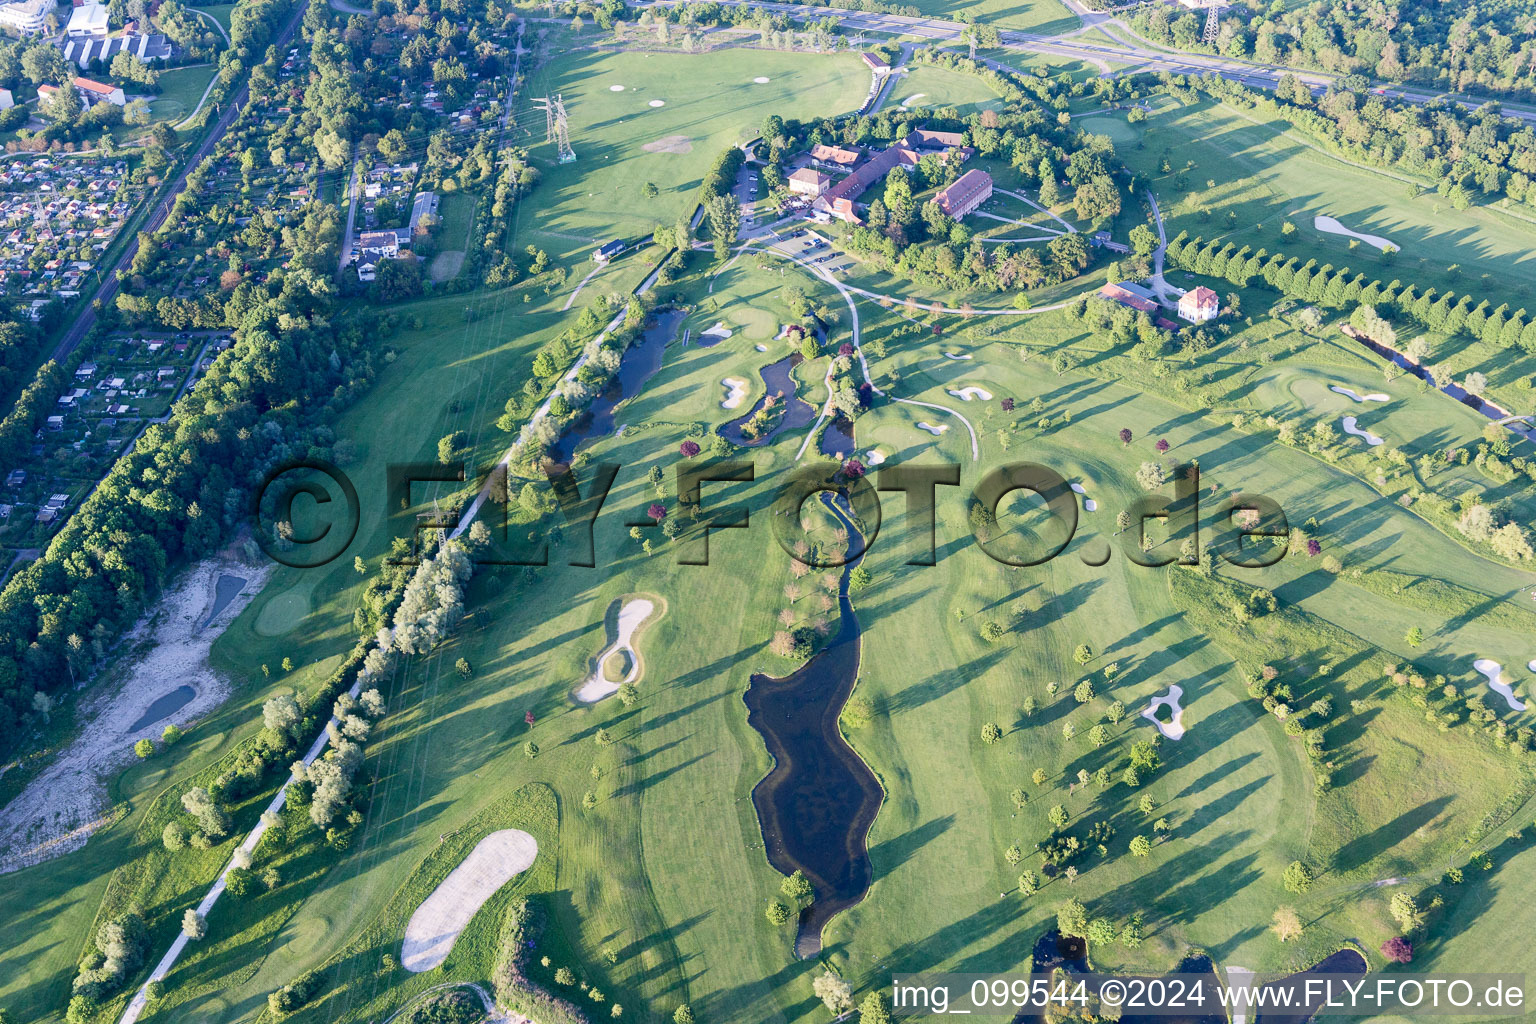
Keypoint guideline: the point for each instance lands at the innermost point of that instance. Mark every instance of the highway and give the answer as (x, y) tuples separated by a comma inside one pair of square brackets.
[(107, 291), (1127, 54)]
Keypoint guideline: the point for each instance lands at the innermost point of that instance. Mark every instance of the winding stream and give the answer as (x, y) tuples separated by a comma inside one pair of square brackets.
[(782, 387), (817, 802), (638, 365)]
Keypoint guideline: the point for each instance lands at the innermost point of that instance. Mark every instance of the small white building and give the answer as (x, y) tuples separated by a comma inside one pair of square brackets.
[(87, 22), (7, 101)]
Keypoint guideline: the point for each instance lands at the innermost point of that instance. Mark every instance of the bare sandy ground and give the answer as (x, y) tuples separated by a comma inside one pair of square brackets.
[(1174, 729), (433, 929), (67, 801), (634, 612), (670, 144)]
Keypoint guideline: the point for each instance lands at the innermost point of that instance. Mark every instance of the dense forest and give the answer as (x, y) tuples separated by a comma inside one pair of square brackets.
[(1487, 48)]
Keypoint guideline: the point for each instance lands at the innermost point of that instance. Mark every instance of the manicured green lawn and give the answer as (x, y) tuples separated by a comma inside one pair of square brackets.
[(1243, 181), (938, 88), (1043, 16), (666, 872)]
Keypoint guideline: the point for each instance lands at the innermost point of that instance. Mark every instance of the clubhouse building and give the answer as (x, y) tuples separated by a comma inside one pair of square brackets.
[(840, 199)]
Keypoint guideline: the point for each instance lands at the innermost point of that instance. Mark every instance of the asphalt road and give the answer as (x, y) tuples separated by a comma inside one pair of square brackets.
[(108, 289), (1133, 54)]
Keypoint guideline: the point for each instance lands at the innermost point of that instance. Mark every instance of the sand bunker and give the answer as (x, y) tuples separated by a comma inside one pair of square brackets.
[(1174, 728), (1350, 392), (670, 144), (968, 393), (634, 612), (761, 348), (1495, 673), (737, 390), (658, 103), (432, 930), (715, 334), (912, 99), (956, 355), (67, 800), (760, 80), (874, 457), (1350, 428), (1331, 226), (935, 431), (1089, 505), (615, 88)]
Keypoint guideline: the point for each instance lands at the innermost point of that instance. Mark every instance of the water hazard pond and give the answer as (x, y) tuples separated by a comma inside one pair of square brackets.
[(818, 801)]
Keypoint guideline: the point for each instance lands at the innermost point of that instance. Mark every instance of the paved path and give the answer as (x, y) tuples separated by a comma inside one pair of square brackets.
[(1159, 283), (853, 311), (140, 998), (347, 237)]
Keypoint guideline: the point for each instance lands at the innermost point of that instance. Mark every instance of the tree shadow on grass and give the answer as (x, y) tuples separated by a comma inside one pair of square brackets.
[(1364, 849)]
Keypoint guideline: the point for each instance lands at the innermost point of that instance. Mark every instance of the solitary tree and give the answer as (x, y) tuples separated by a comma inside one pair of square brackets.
[(1141, 846), (798, 888), (683, 1015), (1072, 919), (1414, 637), (777, 912), (991, 733), (1287, 924), (144, 748), (1397, 949), (192, 924), (1125, 435), (834, 992), (1161, 446), (1405, 911), (689, 449), (875, 1009), (1298, 877), (1083, 654)]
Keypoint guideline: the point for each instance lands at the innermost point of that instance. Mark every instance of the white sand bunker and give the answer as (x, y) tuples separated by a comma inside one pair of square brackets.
[(599, 685), (1350, 428), (761, 348), (1089, 505), (956, 355), (968, 393), (935, 431), (874, 457), (658, 103), (432, 930), (737, 390), (1331, 226), (615, 88), (1495, 673), (912, 99), (760, 80), (670, 144), (67, 800), (1174, 728), (1351, 393), (718, 333)]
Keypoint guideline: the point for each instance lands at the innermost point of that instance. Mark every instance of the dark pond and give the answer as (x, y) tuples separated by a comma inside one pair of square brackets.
[(780, 385), (164, 707), (1053, 950), (1345, 961), (1471, 401), (816, 804), (224, 591), (837, 438), (639, 364)]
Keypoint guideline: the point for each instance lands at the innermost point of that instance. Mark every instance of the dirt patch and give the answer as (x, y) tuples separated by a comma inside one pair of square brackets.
[(60, 808), (446, 265), (433, 929), (670, 144)]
